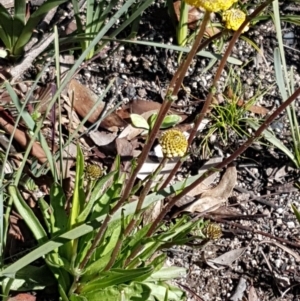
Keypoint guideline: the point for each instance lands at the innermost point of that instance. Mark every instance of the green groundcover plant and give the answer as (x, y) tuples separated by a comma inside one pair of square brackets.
[(94, 245), (106, 275), (16, 30)]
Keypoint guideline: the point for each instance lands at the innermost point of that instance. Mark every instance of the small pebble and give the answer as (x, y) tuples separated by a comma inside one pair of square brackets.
[(278, 263), (279, 210), (290, 225)]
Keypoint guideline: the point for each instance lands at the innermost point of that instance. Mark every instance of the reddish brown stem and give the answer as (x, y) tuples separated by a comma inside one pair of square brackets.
[(132, 223), (191, 54), (177, 81), (215, 81), (228, 160)]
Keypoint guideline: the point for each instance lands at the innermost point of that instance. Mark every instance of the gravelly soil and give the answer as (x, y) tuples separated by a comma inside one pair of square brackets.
[(267, 267), (265, 190)]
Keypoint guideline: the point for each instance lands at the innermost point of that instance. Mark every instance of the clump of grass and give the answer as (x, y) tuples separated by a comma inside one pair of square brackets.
[(230, 119)]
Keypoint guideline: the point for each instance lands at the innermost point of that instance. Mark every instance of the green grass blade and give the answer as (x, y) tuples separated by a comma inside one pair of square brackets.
[(276, 142), (96, 40), (30, 123), (296, 212), (82, 123), (78, 195), (6, 23), (206, 54), (277, 23), (81, 230), (89, 21), (77, 204), (182, 28), (96, 194), (279, 75), (3, 227), (33, 21), (57, 65), (78, 21), (28, 216), (58, 204), (19, 19)]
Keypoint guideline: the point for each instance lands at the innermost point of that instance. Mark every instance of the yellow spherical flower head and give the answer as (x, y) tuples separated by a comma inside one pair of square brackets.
[(212, 5), (93, 172), (213, 231), (173, 143), (234, 18)]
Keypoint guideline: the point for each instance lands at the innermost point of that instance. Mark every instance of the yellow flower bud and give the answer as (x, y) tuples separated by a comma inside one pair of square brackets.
[(213, 231), (173, 143), (234, 18), (212, 5), (93, 172)]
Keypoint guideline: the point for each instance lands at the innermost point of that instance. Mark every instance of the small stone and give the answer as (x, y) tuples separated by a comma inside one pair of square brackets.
[(290, 225), (278, 263), (87, 74), (279, 210)]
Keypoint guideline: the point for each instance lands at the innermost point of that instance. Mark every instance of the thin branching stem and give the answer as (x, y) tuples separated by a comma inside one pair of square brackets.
[(191, 55), (176, 81), (139, 205), (214, 169), (227, 161), (209, 97)]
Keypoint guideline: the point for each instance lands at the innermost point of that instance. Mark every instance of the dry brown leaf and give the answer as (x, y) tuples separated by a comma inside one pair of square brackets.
[(225, 186), (152, 212), (14, 229), (131, 132), (124, 148), (212, 199), (101, 138), (22, 297), (226, 259), (84, 100), (140, 106), (252, 296), (23, 139), (239, 291)]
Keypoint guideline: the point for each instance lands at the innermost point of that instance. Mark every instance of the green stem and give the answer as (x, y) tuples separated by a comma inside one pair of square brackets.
[(139, 205), (176, 81), (182, 29)]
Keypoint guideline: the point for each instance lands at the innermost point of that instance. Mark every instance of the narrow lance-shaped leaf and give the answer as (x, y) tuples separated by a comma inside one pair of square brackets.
[(33, 21), (27, 214), (86, 228), (6, 30), (19, 19)]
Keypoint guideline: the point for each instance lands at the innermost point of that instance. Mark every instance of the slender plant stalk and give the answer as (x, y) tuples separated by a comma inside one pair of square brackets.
[(227, 161), (191, 54), (139, 205), (176, 81), (211, 171), (209, 97)]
